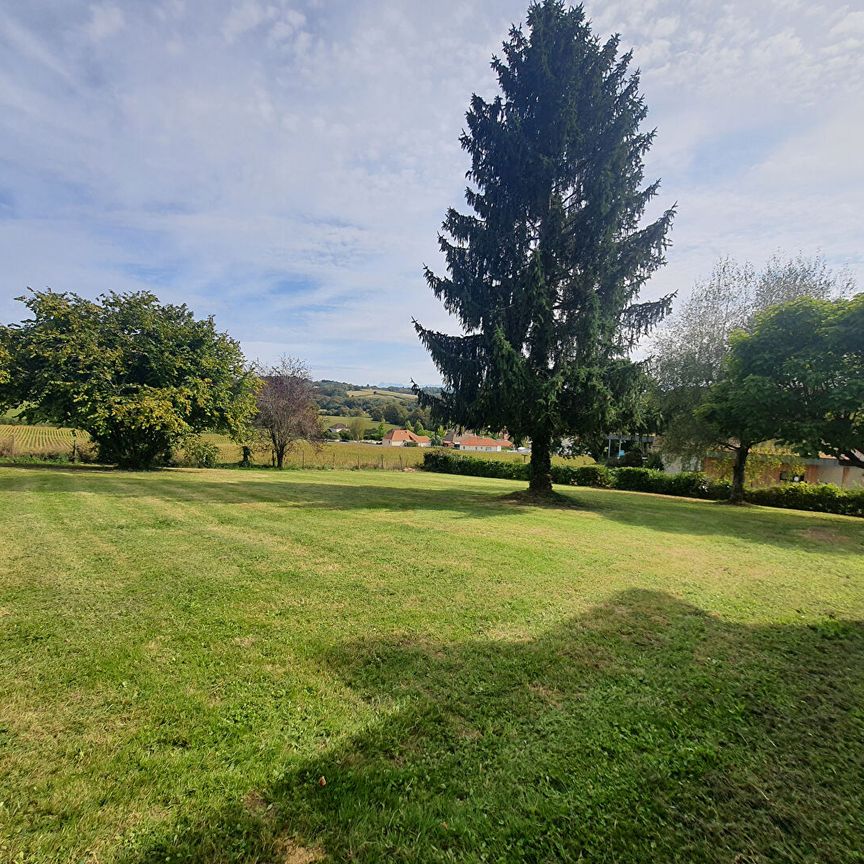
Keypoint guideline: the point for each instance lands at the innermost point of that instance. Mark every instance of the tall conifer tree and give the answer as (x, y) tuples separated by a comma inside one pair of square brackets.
[(544, 274)]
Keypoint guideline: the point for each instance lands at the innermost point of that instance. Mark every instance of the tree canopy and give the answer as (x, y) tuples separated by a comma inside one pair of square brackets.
[(545, 272), (804, 363), (691, 348), (140, 377)]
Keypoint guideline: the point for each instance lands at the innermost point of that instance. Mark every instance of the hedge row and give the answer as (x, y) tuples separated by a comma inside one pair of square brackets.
[(823, 498)]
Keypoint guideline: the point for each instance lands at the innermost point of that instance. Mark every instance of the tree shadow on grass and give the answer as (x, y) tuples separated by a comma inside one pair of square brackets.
[(793, 529), (294, 493), (492, 498), (645, 730)]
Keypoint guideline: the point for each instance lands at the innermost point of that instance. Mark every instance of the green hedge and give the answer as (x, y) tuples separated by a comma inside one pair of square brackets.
[(452, 463), (822, 498)]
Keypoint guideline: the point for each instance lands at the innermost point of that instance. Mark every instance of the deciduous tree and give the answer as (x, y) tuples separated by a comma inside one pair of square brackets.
[(140, 377), (807, 360), (357, 427), (692, 345), (287, 411)]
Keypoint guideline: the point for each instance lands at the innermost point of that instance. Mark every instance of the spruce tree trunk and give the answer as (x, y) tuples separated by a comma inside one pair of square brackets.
[(736, 496), (540, 473)]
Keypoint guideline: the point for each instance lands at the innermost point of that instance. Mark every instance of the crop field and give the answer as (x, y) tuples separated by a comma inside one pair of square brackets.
[(37, 440), (326, 666)]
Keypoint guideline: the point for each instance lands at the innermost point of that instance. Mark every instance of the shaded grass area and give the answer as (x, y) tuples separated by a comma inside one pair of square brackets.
[(186, 654)]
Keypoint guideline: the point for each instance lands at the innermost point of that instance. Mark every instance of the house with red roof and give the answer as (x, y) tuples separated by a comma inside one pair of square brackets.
[(470, 441), (403, 437)]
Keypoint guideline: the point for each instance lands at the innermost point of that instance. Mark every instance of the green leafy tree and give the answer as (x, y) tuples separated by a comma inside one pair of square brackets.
[(395, 413), (140, 377), (544, 274), (736, 411), (692, 345), (5, 363), (807, 358), (357, 427)]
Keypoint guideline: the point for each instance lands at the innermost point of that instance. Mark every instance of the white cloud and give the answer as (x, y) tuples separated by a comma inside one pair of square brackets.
[(105, 20)]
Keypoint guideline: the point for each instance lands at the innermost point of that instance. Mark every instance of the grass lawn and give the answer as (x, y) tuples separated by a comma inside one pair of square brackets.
[(186, 654)]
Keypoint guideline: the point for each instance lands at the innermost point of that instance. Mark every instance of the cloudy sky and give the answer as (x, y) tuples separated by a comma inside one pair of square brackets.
[(285, 165)]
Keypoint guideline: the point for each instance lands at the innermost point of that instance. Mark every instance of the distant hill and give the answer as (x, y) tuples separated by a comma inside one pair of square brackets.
[(391, 403)]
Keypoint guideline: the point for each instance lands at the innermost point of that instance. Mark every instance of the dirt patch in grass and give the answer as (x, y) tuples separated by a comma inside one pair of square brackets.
[(255, 802), (289, 851)]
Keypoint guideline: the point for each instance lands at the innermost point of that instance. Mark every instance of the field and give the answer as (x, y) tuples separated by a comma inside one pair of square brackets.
[(328, 420), (49, 441), (225, 666), (383, 395), (37, 440)]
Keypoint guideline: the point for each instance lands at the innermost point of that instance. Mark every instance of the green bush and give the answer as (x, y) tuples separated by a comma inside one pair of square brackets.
[(688, 484), (593, 475), (200, 453), (637, 479), (452, 463), (821, 497)]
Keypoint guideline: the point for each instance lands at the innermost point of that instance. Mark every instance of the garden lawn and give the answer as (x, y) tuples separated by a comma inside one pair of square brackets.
[(226, 666)]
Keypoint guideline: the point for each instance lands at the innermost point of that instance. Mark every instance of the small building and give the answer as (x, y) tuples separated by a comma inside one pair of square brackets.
[(795, 469), (403, 437), (469, 441), (479, 443), (336, 428)]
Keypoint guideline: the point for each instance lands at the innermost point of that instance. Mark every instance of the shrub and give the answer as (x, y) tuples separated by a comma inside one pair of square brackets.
[(451, 463), (593, 475), (200, 453), (821, 497), (638, 479), (7, 446)]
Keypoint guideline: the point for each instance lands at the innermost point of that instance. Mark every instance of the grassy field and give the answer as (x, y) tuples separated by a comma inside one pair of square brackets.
[(232, 666), (354, 455), (328, 420), (383, 395)]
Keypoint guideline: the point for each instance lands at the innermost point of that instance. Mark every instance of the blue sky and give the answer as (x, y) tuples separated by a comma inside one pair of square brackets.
[(285, 166)]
